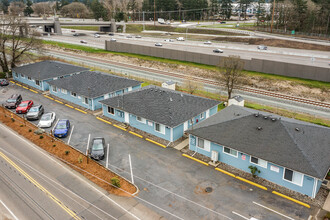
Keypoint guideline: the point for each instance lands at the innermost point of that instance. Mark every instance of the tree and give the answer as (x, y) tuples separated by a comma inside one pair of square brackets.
[(244, 4), (230, 73), (191, 85), (98, 10), (28, 10), (225, 9), (13, 45), (42, 8), (4, 6), (75, 10), (214, 7), (260, 15), (16, 8)]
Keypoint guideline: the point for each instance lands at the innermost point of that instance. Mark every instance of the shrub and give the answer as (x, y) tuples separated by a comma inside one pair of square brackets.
[(80, 159), (54, 145), (115, 181), (21, 125), (254, 170), (30, 130), (41, 137), (13, 119), (67, 152)]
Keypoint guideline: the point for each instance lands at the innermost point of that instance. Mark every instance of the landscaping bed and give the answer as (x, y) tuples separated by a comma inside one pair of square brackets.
[(75, 159)]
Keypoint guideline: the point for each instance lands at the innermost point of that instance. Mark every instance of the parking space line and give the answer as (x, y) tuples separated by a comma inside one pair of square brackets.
[(101, 119), (240, 215), (12, 214), (291, 199), (58, 101), (272, 210), (199, 161), (117, 126), (89, 137), (140, 136), (162, 145), (70, 134), (80, 110), (33, 91), (55, 126), (107, 160), (48, 97), (69, 106)]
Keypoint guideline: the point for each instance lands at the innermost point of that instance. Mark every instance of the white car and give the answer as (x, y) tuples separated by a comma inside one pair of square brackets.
[(96, 35), (180, 39), (217, 50), (158, 44), (113, 40), (208, 42), (47, 120), (168, 40), (262, 47), (137, 36)]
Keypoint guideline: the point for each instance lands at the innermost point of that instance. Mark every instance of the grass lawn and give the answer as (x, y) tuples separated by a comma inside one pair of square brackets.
[(230, 25)]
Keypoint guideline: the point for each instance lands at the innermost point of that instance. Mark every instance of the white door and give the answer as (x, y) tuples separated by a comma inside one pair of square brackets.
[(185, 126), (208, 113), (130, 88), (106, 96), (127, 117)]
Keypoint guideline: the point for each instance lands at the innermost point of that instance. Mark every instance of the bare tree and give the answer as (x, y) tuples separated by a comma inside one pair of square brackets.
[(75, 10), (16, 8), (191, 85), (42, 8), (230, 73), (16, 40)]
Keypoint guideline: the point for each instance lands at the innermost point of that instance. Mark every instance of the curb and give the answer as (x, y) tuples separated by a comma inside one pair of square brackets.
[(291, 199), (163, 146), (199, 161)]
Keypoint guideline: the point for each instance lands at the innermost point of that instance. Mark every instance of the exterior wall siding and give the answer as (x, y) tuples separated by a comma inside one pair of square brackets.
[(242, 162), (28, 82), (118, 115), (178, 132)]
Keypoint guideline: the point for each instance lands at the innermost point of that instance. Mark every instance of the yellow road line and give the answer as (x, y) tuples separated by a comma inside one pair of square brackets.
[(250, 182), (25, 87), (33, 91), (69, 211), (140, 136), (58, 101), (117, 126), (163, 146), (19, 84), (12, 82), (101, 119), (80, 110), (69, 106), (291, 199), (225, 172), (199, 161), (48, 97)]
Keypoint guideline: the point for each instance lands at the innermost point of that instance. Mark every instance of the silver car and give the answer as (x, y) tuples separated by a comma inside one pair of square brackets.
[(35, 112), (47, 120)]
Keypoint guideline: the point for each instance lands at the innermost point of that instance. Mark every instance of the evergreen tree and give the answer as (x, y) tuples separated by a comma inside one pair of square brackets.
[(28, 10), (98, 10), (64, 3), (4, 6), (214, 7), (244, 4), (226, 9), (260, 15)]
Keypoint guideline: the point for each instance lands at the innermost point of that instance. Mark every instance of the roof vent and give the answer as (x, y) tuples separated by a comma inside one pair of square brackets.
[(171, 99), (265, 117), (297, 129), (259, 128)]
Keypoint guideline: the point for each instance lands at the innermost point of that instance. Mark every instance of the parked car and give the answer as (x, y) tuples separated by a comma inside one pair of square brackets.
[(97, 150), (180, 39), (4, 82), (13, 101), (217, 50), (35, 112), (168, 40), (96, 35), (83, 42), (158, 44), (24, 107), (138, 36), (75, 34), (47, 120), (113, 40), (208, 42), (262, 47), (62, 128)]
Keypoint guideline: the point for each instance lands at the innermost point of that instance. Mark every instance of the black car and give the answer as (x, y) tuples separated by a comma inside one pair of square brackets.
[(4, 82), (97, 150), (13, 101), (217, 50), (35, 112)]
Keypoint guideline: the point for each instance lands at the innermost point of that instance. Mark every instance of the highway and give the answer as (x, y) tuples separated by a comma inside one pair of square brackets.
[(35, 186)]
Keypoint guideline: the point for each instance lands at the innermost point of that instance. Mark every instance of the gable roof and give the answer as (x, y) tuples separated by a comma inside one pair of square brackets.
[(48, 69), (164, 106), (297, 145), (94, 84)]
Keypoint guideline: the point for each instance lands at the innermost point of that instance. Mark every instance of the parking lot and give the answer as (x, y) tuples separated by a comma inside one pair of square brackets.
[(169, 184)]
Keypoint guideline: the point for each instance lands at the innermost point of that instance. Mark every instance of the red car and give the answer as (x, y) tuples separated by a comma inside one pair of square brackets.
[(24, 107)]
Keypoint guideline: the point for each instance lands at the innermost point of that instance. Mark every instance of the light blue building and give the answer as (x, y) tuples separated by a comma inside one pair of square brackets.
[(39, 74), (288, 152), (88, 88), (160, 112)]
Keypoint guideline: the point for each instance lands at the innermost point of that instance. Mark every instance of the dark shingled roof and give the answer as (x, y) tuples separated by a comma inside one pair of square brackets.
[(297, 145), (161, 105), (48, 69), (98, 82)]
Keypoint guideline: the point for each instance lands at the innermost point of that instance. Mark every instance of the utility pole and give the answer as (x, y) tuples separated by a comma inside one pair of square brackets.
[(271, 26), (154, 12)]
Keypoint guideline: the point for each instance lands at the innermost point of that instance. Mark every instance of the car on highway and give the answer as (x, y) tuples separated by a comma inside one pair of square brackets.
[(138, 36), (217, 50), (96, 35), (75, 34), (24, 107), (180, 39), (129, 36), (62, 128), (158, 44), (35, 112), (111, 34), (47, 120), (208, 42), (262, 47), (97, 150), (113, 40), (4, 82), (73, 31), (13, 101), (83, 42), (169, 40)]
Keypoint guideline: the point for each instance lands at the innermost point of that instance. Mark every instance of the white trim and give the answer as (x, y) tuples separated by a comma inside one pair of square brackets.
[(143, 120), (202, 115), (314, 188), (258, 161), (207, 113), (223, 150), (54, 87), (92, 104), (84, 100), (197, 143), (302, 177), (160, 126), (64, 91), (171, 131)]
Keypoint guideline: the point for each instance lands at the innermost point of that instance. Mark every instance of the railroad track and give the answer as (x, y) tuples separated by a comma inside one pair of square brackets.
[(207, 81)]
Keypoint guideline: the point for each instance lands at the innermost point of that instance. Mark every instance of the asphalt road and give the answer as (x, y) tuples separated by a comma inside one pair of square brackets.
[(171, 185)]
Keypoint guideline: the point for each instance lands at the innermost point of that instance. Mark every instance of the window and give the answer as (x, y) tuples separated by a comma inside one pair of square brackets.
[(37, 82), (111, 110), (54, 88), (29, 78), (259, 162), (200, 143), (73, 94), (86, 100), (16, 74), (230, 151), (292, 176), (142, 120), (202, 115), (160, 128), (64, 91), (22, 76)]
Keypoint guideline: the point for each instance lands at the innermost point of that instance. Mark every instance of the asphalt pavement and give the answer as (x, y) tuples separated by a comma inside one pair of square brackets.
[(170, 185)]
